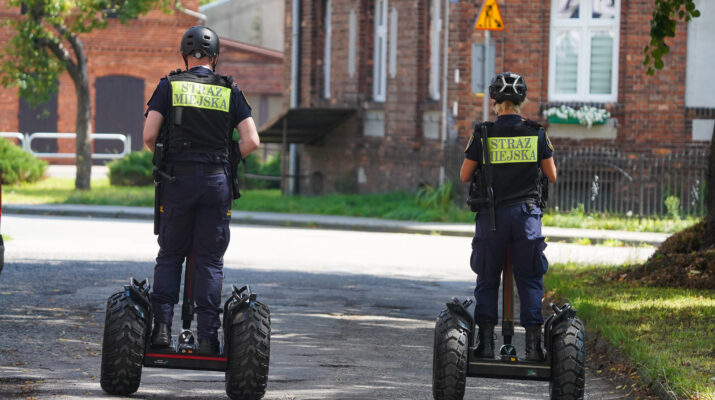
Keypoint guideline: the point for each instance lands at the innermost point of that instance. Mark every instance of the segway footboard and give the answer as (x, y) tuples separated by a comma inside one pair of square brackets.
[(506, 369), (171, 358)]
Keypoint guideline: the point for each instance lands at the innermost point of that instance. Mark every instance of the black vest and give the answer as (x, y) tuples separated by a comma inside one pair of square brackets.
[(199, 117), (514, 156)]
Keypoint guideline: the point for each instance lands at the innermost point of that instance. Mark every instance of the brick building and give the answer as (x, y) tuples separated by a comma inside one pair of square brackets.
[(365, 99), (125, 64)]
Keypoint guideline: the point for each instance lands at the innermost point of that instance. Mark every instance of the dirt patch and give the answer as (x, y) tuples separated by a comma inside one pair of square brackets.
[(606, 361), (680, 262)]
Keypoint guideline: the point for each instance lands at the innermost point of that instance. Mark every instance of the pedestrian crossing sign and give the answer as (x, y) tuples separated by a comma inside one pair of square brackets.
[(489, 17)]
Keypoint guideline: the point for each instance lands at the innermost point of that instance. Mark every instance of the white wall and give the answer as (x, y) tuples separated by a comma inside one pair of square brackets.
[(258, 22), (700, 81)]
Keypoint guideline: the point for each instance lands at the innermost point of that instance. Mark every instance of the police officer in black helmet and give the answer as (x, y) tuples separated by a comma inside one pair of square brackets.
[(194, 112), (518, 150)]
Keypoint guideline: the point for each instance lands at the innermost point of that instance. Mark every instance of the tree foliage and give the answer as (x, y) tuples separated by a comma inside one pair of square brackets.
[(663, 23), (46, 40)]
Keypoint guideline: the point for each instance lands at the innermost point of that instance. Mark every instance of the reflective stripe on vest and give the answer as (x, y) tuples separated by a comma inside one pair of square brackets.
[(192, 94)]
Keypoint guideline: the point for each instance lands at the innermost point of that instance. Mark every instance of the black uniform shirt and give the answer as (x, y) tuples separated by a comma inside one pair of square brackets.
[(474, 148), (161, 99)]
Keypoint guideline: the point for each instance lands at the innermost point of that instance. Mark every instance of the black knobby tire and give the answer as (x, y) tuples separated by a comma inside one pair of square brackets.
[(125, 337), (249, 354), (449, 361), (568, 362)]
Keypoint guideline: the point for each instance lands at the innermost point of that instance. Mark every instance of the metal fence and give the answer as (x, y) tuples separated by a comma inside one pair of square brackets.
[(607, 179), (25, 142)]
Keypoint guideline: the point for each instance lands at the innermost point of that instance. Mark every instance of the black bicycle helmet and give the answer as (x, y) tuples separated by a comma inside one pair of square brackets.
[(507, 86), (199, 41)]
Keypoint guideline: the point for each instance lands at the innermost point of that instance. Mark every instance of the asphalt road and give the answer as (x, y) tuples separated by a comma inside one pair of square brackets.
[(352, 312)]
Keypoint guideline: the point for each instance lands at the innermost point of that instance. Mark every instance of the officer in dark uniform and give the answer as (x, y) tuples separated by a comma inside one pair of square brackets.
[(518, 149), (196, 112)]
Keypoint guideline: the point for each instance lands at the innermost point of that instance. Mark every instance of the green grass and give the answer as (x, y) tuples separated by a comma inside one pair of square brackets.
[(430, 206), (615, 222), (667, 332)]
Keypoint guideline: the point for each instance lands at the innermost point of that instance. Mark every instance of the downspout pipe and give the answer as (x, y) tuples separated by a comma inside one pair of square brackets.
[(201, 17), (295, 90), (295, 56)]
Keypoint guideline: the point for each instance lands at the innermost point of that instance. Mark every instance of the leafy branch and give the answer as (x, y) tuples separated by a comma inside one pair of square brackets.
[(665, 17)]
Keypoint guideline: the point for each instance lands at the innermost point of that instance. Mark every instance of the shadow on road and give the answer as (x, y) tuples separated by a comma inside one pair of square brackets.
[(334, 336)]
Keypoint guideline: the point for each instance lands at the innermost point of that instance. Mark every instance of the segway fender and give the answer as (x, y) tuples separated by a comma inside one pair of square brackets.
[(139, 292), (558, 322), (458, 309), (234, 310)]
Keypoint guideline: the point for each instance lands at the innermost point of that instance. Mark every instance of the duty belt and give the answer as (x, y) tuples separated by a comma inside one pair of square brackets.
[(197, 169)]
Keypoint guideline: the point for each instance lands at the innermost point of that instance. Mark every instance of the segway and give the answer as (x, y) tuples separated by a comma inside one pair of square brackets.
[(455, 345), (126, 348)]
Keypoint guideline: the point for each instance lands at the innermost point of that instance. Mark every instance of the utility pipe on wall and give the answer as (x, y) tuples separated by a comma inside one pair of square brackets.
[(295, 90)]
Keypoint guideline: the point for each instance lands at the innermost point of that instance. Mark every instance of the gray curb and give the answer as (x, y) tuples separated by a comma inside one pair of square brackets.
[(333, 222)]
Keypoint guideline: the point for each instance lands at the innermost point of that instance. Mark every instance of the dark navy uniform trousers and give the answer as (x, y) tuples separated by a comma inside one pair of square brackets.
[(194, 225), (519, 230)]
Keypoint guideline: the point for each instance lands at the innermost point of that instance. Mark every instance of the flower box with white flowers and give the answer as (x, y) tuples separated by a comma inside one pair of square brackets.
[(586, 115)]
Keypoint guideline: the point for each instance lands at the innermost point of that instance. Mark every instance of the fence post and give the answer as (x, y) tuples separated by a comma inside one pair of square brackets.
[(641, 177)]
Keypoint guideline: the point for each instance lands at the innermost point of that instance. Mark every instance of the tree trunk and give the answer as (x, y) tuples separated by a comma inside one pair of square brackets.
[(84, 129), (83, 123), (710, 197)]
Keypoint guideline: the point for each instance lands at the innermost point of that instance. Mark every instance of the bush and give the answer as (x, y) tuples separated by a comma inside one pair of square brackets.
[(272, 167), (439, 197), (672, 204), (134, 169), (17, 166)]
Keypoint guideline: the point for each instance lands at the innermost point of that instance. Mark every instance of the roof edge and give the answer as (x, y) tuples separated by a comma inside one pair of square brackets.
[(251, 48)]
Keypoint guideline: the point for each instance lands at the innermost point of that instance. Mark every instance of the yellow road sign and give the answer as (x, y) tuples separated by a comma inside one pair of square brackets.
[(489, 17)]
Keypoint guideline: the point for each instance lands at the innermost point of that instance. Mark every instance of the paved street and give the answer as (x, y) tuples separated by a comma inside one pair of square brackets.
[(352, 312)]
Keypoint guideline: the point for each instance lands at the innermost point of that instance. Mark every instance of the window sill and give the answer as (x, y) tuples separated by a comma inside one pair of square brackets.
[(570, 121), (605, 131)]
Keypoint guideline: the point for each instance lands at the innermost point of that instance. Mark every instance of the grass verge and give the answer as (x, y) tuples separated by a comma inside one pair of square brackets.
[(667, 333), (395, 205)]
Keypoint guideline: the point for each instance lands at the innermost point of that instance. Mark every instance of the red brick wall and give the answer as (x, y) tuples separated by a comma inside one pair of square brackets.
[(402, 159), (146, 48), (650, 111)]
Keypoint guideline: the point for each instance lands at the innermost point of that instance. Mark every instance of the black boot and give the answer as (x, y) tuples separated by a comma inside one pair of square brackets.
[(534, 351), (209, 346), (161, 336), (486, 341)]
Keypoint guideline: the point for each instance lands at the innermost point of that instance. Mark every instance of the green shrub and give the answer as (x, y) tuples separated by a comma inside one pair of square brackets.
[(672, 204), (18, 166), (272, 166), (134, 169), (439, 197)]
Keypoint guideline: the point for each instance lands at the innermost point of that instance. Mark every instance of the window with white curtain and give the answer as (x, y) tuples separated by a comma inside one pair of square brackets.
[(434, 48), (379, 75), (583, 56), (328, 40)]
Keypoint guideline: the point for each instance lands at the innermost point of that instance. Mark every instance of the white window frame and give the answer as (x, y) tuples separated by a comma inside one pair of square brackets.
[(435, 49), (586, 27), (379, 72), (392, 60), (328, 43), (352, 42)]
